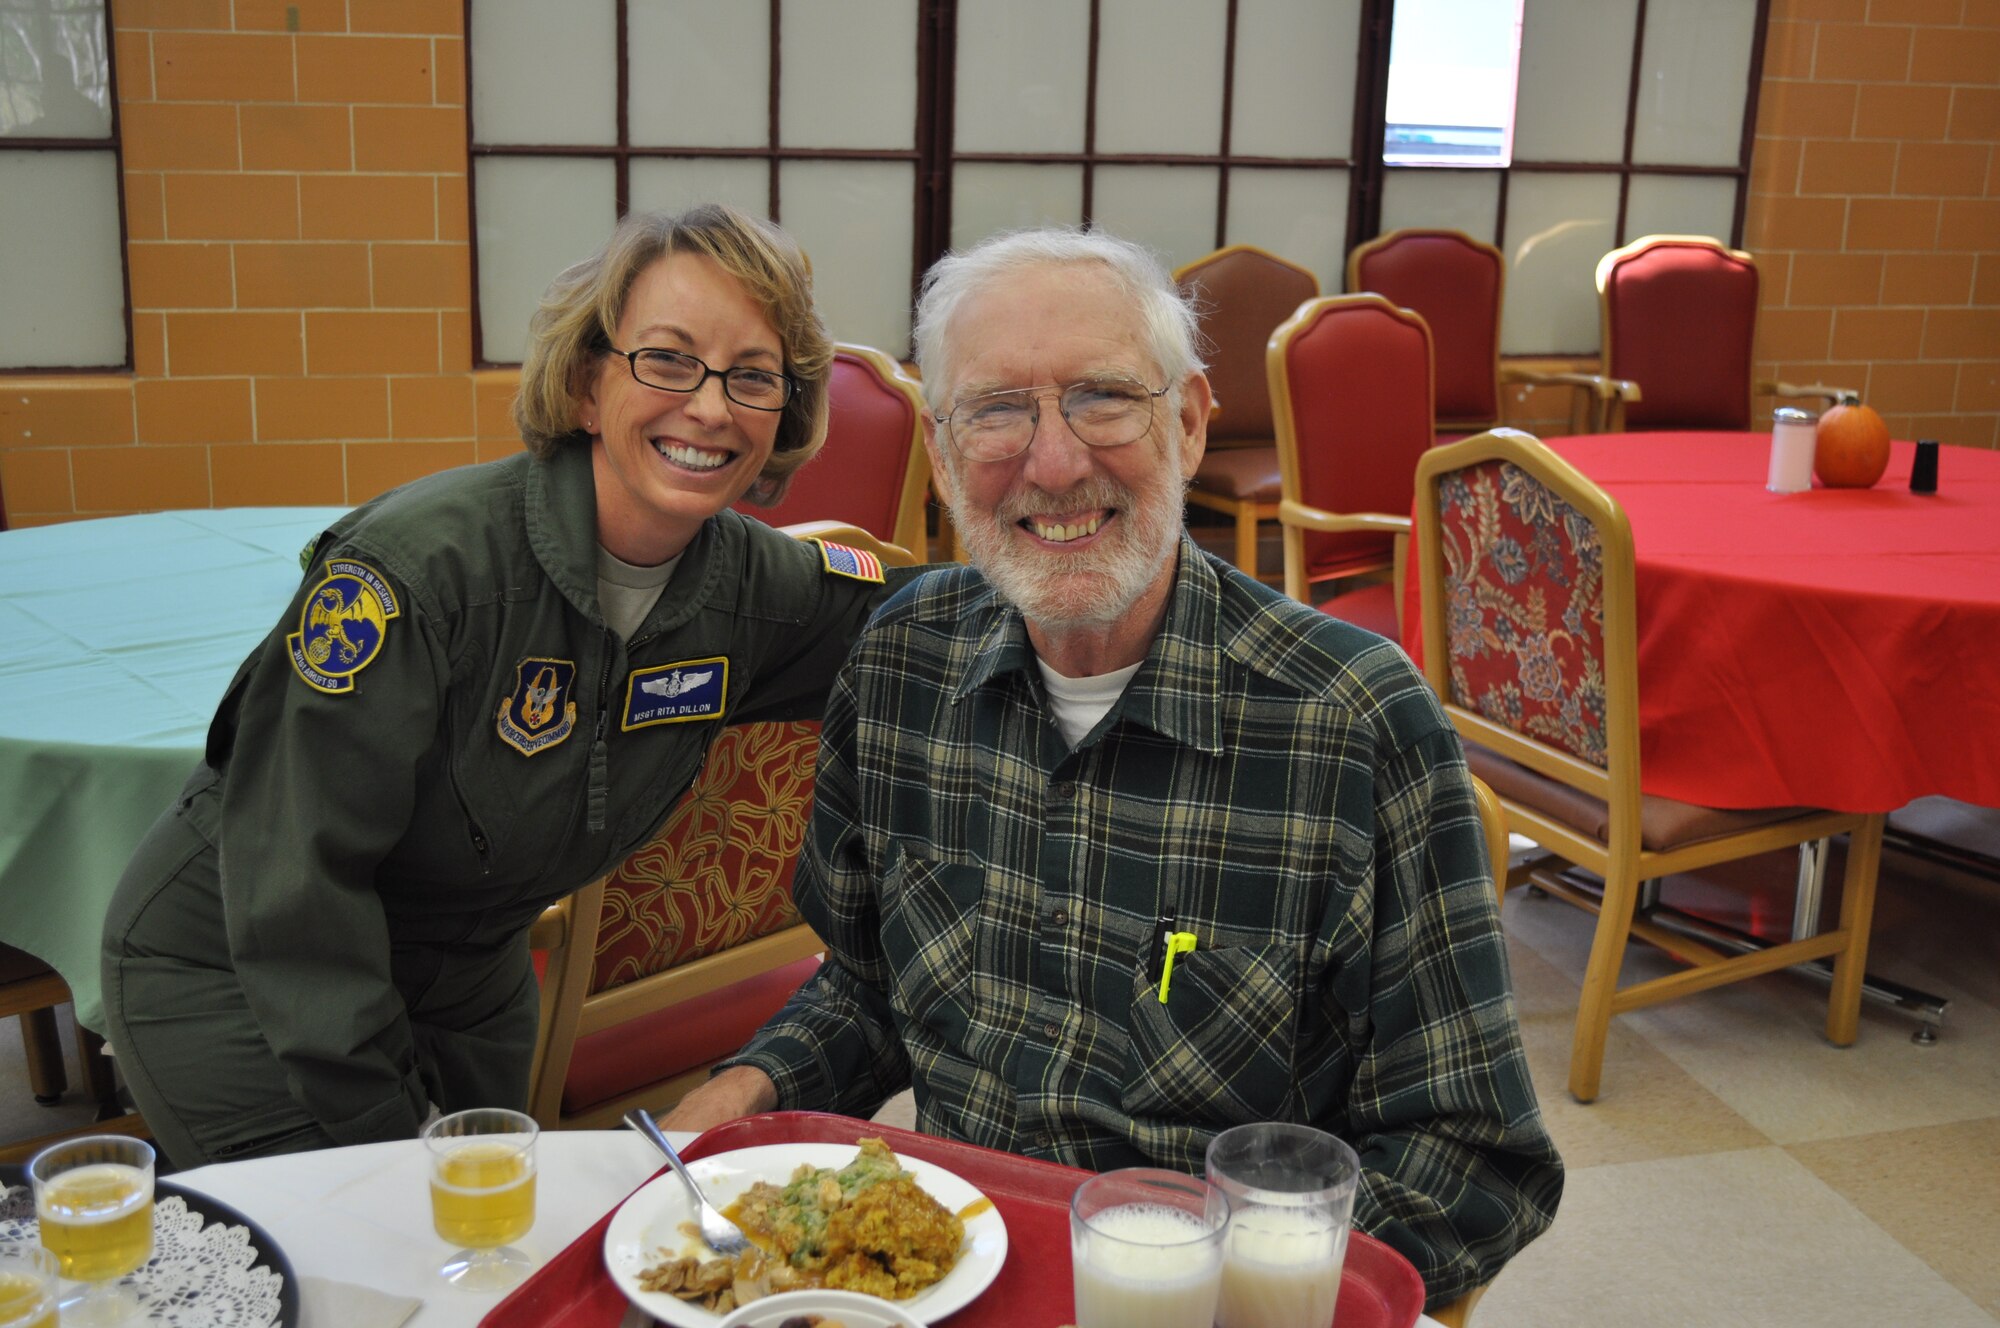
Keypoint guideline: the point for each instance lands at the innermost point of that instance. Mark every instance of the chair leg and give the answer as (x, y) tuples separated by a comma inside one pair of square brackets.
[(1857, 916), (98, 1079), (1600, 981), (42, 1043), (1246, 538)]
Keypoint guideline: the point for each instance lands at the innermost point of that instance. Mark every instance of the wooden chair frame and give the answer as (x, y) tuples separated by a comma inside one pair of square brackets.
[(1621, 859), (1592, 395), (909, 532), (1247, 513), (34, 999), (1296, 517), (568, 931), (1611, 411)]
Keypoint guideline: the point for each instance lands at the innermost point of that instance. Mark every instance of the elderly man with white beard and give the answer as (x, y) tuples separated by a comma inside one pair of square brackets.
[(1035, 770)]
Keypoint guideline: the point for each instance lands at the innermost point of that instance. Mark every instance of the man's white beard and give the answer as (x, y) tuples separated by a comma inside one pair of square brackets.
[(1091, 587)]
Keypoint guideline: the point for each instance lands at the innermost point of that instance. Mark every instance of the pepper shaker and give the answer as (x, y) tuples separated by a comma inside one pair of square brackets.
[(1923, 470)]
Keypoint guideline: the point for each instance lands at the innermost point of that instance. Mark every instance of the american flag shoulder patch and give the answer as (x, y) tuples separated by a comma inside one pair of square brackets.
[(841, 560)]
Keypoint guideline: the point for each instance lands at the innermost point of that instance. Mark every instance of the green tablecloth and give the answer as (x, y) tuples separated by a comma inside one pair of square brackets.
[(117, 638)]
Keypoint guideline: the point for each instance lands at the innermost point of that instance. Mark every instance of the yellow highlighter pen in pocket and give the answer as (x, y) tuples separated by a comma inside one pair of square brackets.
[(1181, 942)]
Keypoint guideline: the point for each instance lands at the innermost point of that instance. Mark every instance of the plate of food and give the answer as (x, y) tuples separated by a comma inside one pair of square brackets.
[(855, 1219)]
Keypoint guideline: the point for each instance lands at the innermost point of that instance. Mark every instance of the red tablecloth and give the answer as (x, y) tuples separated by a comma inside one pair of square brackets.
[(1837, 648)]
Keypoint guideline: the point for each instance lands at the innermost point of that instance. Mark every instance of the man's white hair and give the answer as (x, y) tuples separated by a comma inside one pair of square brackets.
[(1168, 316)]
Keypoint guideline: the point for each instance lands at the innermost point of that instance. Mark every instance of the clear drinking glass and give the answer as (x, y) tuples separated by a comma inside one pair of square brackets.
[(29, 1281), (94, 1205), (483, 1194), (1291, 1198), (1146, 1247)]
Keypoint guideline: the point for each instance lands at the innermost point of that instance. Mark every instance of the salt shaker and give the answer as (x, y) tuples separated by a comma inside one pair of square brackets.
[(1794, 434)]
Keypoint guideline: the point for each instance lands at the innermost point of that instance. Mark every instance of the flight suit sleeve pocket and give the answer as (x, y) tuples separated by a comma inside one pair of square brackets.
[(928, 914), (1219, 1049)]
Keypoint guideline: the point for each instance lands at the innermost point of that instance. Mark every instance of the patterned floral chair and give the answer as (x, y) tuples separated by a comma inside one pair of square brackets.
[(1530, 639), (670, 963)]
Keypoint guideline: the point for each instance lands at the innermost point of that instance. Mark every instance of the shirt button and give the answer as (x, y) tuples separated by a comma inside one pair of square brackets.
[(1042, 1141), (1059, 917), (1052, 1028), (1061, 792)]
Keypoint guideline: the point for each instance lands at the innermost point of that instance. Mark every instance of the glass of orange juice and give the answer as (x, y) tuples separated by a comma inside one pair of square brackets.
[(94, 1204), (483, 1194), (29, 1281)]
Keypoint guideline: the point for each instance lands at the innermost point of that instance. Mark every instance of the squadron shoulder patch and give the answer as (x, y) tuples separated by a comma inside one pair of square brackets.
[(343, 625), (676, 693), (842, 560), (539, 713)]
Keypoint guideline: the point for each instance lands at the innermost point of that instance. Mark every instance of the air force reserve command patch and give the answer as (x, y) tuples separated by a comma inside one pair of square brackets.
[(676, 693), (343, 625), (857, 564), (539, 713)]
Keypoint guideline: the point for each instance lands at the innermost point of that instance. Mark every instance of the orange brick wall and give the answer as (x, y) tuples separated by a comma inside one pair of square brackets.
[(296, 212)]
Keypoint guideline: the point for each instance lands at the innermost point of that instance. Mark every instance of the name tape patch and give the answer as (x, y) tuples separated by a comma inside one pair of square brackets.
[(343, 625), (540, 712), (676, 693)]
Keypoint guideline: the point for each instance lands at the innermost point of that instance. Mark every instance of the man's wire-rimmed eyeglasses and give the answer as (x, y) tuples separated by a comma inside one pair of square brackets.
[(673, 371), (1101, 412)]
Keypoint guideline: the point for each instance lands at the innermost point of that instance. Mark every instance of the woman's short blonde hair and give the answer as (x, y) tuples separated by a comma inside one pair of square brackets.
[(579, 314)]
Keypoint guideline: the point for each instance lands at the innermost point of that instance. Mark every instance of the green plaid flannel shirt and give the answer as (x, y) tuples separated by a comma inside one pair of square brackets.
[(1287, 787)]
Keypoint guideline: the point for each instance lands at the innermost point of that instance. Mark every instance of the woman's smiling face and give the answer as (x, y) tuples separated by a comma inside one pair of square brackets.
[(667, 461)]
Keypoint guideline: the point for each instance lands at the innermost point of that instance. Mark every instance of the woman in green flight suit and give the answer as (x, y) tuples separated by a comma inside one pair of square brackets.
[(492, 685)]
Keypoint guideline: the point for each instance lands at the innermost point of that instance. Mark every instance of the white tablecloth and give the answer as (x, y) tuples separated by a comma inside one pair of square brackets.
[(364, 1214)]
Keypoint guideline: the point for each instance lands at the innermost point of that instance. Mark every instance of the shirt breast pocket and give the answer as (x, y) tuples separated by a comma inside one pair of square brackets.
[(928, 941), (1219, 1050)]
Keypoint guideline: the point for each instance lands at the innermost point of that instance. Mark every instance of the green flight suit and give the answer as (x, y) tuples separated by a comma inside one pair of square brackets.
[(327, 933)]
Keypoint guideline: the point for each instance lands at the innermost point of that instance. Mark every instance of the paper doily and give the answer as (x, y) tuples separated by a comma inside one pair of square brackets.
[(199, 1276)]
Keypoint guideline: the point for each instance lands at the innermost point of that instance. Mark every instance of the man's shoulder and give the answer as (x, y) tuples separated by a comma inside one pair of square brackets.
[(947, 601), (1292, 647)]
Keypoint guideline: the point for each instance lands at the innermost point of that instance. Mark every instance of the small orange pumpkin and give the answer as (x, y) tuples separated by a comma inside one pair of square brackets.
[(1852, 447)]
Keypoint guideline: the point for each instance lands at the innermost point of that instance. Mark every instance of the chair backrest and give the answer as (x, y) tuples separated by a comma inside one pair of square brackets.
[(1529, 617), (1241, 294), (1458, 285), (1350, 376), (1679, 317), (873, 472)]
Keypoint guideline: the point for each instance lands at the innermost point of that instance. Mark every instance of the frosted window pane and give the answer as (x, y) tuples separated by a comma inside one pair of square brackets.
[(1294, 89), (1170, 209), (55, 77), (544, 73), (987, 198), (1299, 215), (854, 219), (1558, 226), (675, 184), (537, 215), (1461, 200), (1159, 75), (62, 278), (1693, 79), (1576, 70), (1021, 76), (1680, 205), (828, 49), (701, 75)]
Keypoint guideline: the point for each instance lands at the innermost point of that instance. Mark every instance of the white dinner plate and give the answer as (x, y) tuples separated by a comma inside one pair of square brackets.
[(651, 1220)]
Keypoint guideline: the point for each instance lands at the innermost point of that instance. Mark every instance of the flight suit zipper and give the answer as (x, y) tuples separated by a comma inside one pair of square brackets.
[(473, 832), (598, 795)]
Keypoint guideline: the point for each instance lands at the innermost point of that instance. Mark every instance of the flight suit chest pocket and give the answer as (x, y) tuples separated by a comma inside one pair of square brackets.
[(929, 912), (1219, 1050)]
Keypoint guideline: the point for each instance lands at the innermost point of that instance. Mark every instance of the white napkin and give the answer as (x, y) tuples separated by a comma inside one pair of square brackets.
[(325, 1303)]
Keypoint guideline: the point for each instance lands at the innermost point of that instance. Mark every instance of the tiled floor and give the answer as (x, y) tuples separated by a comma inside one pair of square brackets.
[(1736, 1169)]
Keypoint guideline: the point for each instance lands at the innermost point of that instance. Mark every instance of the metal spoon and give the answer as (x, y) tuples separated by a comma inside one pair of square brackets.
[(722, 1235)]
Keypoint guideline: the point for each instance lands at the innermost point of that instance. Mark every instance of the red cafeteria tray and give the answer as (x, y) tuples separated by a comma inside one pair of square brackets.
[(1379, 1290)]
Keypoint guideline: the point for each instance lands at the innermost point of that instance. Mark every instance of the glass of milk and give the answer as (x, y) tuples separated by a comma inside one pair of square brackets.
[(1146, 1245), (1291, 1197)]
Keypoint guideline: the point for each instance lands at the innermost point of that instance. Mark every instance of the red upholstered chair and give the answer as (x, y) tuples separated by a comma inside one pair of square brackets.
[(1350, 381), (671, 962), (1531, 641), (1679, 317), (1459, 285), (1242, 293), (873, 472)]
